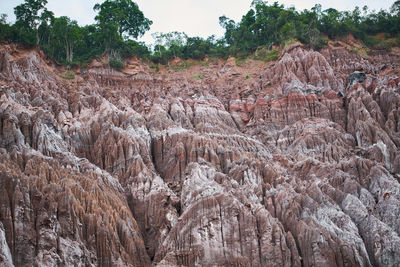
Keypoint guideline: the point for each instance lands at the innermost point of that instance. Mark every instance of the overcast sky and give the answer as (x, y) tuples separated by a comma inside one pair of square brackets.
[(194, 17)]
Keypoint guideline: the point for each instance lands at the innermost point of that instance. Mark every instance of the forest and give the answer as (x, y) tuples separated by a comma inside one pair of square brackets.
[(119, 23)]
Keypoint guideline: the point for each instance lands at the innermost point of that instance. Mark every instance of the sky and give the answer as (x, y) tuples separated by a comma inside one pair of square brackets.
[(194, 17)]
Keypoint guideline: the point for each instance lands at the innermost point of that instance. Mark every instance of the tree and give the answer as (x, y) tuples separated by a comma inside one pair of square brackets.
[(172, 41), (111, 40), (331, 23), (138, 49), (29, 15), (44, 29), (197, 47), (169, 45), (395, 10), (287, 32), (89, 44), (5, 28), (124, 15), (230, 27), (3, 18), (65, 34)]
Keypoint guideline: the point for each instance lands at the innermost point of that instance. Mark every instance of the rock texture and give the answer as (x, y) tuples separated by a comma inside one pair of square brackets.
[(287, 163)]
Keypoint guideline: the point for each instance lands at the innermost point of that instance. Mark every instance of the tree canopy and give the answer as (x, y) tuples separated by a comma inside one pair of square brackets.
[(29, 16), (267, 25), (124, 15), (120, 22)]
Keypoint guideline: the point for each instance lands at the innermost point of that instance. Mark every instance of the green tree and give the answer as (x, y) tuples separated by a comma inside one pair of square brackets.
[(3, 18), (29, 16), (44, 29), (287, 31), (124, 15), (331, 23), (6, 33), (197, 47), (230, 28), (395, 11), (133, 48), (66, 33), (172, 41), (109, 38), (89, 44)]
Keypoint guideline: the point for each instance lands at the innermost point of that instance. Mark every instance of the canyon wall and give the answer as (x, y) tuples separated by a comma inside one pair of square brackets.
[(288, 163)]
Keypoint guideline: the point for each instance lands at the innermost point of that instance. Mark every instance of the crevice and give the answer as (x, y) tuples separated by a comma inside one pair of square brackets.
[(152, 153), (169, 112), (234, 121), (222, 231), (144, 230), (178, 207), (11, 193), (346, 117), (35, 226), (369, 251), (259, 242), (288, 230), (240, 235)]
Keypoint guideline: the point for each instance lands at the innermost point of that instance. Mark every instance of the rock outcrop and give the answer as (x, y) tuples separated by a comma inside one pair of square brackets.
[(357, 76), (287, 163)]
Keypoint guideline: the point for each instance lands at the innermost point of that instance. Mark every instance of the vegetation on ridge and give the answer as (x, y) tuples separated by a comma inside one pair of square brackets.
[(120, 22)]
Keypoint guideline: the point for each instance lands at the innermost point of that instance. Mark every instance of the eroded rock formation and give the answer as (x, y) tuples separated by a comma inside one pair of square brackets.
[(288, 163)]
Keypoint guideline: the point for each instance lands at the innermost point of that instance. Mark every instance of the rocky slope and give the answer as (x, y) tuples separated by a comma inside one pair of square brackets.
[(287, 163)]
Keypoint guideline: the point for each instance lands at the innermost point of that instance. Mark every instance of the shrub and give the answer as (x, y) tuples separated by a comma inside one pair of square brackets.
[(322, 41), (370, 41), (389, 43), (265, 54), (375, 42), (361, 51), (197, 77), (241, 58), (84, 65), (116, 63), (289, 42), (155, 66), (69, 75), (272, 55)]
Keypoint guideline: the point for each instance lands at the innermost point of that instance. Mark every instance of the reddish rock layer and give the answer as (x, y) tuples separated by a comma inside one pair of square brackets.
[(261, 164)]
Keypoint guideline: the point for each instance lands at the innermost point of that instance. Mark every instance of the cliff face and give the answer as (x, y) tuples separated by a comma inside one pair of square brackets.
[(287, 163)]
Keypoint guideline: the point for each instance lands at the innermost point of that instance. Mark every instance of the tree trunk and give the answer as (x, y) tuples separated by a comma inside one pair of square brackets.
[(37, 37), (72, 53), (68, 52)]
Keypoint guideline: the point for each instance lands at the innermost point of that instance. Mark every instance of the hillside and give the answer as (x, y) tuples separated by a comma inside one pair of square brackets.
[(293, 162)]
